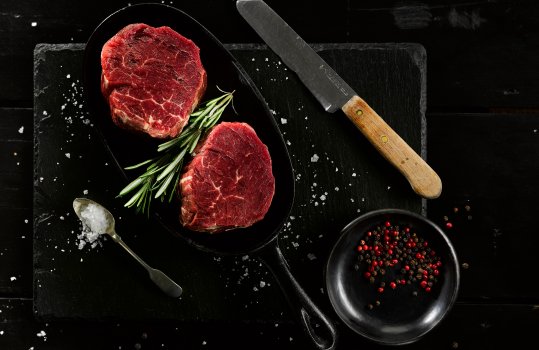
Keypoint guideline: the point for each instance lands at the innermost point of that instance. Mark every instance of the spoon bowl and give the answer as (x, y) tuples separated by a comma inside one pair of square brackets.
[(80, 205)]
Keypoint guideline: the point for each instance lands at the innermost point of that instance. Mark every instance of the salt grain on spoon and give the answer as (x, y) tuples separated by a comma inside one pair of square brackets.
[(94, 224)]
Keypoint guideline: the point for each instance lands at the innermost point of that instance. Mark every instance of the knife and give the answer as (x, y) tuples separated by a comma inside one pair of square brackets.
[(334, 93)]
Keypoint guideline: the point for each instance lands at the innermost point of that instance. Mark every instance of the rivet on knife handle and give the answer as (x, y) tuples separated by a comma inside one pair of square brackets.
[(424, 181)]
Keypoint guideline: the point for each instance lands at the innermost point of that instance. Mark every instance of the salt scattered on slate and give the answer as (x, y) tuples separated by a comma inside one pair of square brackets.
[(72, 98), (42, 334)]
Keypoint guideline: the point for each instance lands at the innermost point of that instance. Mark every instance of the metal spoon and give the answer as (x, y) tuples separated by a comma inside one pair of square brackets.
[(164, 282)]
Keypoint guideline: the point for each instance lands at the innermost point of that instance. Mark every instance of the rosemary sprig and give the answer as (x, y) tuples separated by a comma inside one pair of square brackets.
[(163, 172)]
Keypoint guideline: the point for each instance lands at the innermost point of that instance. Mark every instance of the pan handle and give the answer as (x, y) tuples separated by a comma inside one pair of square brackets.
[(316, 325)]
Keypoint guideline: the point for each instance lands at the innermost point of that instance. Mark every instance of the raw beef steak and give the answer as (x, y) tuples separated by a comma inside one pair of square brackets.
[(229, 183), (152, 79)]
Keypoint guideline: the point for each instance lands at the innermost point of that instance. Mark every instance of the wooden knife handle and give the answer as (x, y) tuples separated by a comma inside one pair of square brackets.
[(424, 181)]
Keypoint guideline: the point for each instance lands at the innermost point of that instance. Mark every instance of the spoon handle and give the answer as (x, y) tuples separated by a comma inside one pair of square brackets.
[(165, 283)]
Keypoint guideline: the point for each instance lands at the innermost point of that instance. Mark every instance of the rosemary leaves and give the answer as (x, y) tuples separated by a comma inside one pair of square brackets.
[(162, 173)]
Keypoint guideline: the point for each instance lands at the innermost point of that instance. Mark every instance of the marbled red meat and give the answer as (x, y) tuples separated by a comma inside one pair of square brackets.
[(152, 79), (229, 183)]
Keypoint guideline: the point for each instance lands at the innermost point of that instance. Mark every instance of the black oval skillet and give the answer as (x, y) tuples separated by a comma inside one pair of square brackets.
[(225, 72)]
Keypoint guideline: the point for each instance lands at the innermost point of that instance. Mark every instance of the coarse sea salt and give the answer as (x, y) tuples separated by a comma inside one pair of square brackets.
[(94, 224)]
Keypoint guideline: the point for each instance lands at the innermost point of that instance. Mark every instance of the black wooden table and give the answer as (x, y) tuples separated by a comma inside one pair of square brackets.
[(482, 138)]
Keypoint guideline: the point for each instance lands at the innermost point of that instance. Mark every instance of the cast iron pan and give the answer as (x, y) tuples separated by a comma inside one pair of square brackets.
[(225, 72), (401, 317)]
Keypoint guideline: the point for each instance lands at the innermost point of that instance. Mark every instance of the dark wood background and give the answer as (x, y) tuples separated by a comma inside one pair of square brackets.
[(483, 139)]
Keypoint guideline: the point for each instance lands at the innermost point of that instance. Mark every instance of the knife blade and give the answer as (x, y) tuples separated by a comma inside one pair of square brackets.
[(334, 94)]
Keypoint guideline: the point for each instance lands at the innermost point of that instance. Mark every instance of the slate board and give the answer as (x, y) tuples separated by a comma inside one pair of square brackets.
[(348, 179)]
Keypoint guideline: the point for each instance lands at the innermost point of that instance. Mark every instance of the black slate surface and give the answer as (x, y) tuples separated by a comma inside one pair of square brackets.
[(349, 178)]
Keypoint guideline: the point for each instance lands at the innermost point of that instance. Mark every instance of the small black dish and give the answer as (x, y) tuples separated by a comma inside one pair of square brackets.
[(401, 317)]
